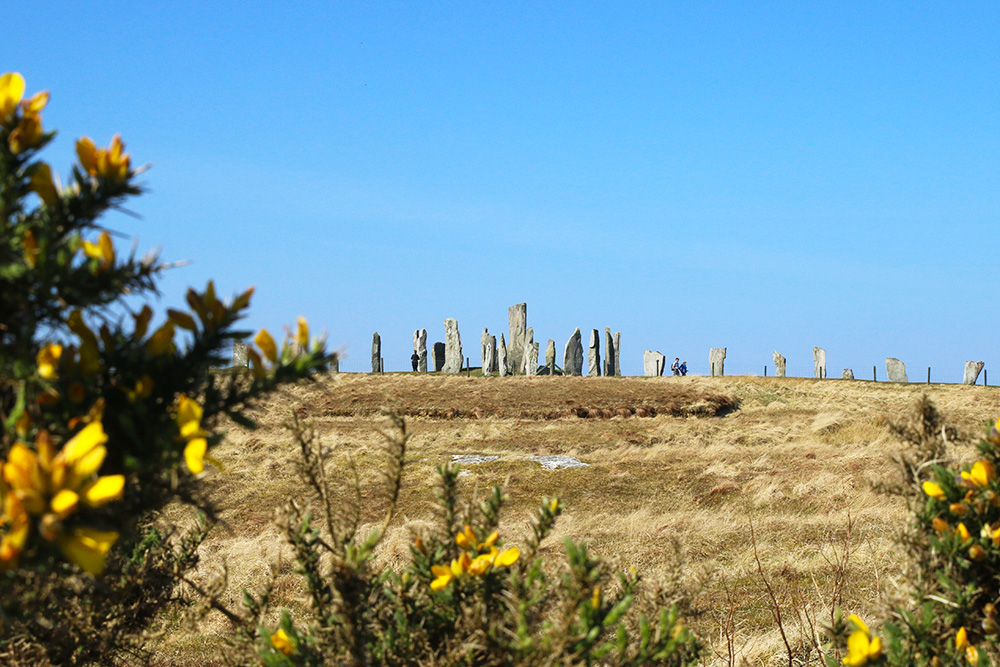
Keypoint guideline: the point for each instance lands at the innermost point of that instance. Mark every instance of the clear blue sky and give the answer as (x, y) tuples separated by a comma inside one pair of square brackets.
[(754, 175)]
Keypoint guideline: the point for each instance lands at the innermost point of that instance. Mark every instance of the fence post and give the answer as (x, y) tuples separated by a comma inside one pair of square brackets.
[(468, 368), (874, 374), (381, 365), (765, 370), (928, 375), (986, 382)]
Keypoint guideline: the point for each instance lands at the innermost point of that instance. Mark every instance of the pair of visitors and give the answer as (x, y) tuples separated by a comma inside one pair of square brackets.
[(679, 367)]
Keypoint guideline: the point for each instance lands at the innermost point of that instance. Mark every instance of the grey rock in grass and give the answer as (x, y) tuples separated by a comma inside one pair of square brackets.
[(531, 358), (594, 354), (490, 355), (472, 459), (517, 319), (609, 353), (653, 363), (503, 366), (484, 342), (848, 374), (240, 359), (420, 344), (376, 353), (972, 371), (779, 365), (438, 357), (529, 339), (452, 347), (573, 355), (556, 462), (335, 363), (618, 353), (717, 361), (895, 370), (819, 362), (550, 356)]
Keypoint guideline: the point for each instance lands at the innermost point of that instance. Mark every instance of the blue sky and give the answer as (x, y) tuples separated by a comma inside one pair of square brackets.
[(752, 175)]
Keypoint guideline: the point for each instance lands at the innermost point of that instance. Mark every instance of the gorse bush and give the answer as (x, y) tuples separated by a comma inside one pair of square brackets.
[(105, 416), (467, 596)]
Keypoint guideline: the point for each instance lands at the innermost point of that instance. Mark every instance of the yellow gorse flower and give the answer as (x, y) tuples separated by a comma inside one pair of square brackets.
[(981, 475), (11, 92), (103, 250), (55, 487), (934, 491), (281, 642), (111, 164), (476, 565), (188, 418), (48, 360), (266, 344), (861, 646)]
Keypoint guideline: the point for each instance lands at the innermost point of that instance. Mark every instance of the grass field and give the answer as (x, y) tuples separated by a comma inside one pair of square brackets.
[(694, 459)]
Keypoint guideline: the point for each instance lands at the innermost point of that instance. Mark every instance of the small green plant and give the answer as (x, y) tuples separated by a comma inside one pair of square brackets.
[(467, 597)]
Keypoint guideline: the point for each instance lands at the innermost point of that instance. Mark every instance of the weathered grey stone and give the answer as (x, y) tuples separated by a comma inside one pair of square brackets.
[(529, 338), (421, 335), (653, 363), (438, 357), (550, 356), (517, 319), (895, 370), (484, 342), (376, 353), (779, 365), (472, 459), (452, 347), (972, 371), (609, 353), (503, 366), (594, 354), (490, 355), (819, 362), (848, 374), (573, 355), (240, 355), (556, 462), (335, 363), (618, 353), (717, 361), (531, 358)]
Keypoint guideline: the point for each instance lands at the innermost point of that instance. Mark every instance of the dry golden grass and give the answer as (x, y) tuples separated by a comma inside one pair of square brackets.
[(797, 457)]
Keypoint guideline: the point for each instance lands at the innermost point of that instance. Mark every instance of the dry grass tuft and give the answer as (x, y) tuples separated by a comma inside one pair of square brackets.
[(797, 456)]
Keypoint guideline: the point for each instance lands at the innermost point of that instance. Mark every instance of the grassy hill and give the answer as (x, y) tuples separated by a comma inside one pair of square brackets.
[(693, 460)]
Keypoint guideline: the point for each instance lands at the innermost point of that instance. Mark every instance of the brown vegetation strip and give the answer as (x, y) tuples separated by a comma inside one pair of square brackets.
[(539, 398)]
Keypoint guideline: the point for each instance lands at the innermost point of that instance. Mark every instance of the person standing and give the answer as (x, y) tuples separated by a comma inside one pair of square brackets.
[(683, 368), (414, 359), (676, 366)]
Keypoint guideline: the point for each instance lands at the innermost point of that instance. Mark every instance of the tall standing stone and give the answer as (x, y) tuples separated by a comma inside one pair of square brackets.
[(609, 353), (376, 353), (848, 374), (573, 355), (335, 363), (779, 365), (484, 342), (503, 366), (717, 361), (421, 350), (550, 356), (653, 363), (972, 370), (819, 362), (452, 347), (489, 355), (529, 338), (531, 358), (594, 354), (517, 319), (618, 353), (895, 370), (240, 354), (438, 357)]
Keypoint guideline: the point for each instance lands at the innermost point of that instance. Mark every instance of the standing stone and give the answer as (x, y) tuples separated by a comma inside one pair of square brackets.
[(594, 354), (452, 347), (240, 354), (438, 357), (848, 374), (484, 342), (653, 363), (503, 368), (573, 355), (335, 363), (421, 350), (609, 353), (489, 355), (717, 361), (550, 356), (531, 358), (618, 352), (517, 319), (529, 338), (779, 365), (819, 362), (972, 370), (376, 353), (895, 370)]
